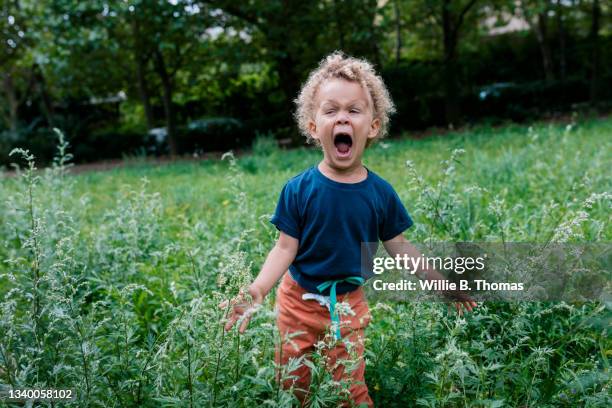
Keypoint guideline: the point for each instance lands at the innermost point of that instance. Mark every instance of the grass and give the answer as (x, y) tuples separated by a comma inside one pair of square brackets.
[(109, 283), (499, 160)]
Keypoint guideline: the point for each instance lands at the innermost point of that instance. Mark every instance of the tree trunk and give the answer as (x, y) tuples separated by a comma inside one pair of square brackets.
[(372, 7), (398, 31), (167, 90), (285, 51), (339, 25), (141, 75), (11, 116), (143, 90), (290, 85), (561, 32), (45, 100), (451, 102), (541, 32), (595, 52)]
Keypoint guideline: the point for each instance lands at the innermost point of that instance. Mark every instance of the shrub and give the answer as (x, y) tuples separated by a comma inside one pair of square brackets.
[(213, 134)]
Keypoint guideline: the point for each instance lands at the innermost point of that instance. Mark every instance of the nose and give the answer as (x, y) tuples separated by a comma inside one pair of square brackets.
[(342, 118)]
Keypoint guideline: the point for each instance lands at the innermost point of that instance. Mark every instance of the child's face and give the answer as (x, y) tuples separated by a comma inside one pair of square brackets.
[(343, 122)]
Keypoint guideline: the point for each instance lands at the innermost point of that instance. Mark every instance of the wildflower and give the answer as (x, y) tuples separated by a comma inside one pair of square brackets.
[(568, 229), (383, 306), (496, 207), (320, 345), (594, 197), (228, 155), (344, 309), (473, 189)]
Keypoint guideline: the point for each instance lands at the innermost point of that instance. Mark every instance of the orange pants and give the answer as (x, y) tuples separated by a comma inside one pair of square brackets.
[(309, 317)]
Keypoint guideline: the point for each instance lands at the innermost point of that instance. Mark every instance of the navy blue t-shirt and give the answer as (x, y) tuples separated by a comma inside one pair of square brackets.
[(331, 220)]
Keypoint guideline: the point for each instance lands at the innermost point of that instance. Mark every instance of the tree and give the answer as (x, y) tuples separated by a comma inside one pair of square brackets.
[(452, 20), (448, 19), (127, 29), (595, 51), (398, 30), (161, 34), (295, 35), (286, 30), (146, 40), (561, 33), (535, 12), (15, 73)]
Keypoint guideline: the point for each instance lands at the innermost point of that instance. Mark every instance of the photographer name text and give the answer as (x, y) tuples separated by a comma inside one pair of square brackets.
[(444, 285)]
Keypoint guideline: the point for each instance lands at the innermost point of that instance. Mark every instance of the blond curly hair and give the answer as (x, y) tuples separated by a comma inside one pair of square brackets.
[(338, 65)]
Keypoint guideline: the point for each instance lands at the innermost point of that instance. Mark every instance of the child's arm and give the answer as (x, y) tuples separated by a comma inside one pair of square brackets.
[(276, 264), (430, 274)]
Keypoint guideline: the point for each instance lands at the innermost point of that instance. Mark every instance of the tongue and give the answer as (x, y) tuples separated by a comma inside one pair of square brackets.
[(343, 147)]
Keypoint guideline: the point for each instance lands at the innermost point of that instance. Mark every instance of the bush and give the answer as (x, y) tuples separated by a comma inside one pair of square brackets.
[(108, 143), (527, 100), (39, 141), (417, 94), (213, 134)]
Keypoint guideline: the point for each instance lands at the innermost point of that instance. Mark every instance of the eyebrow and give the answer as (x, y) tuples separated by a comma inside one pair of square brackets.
[(334, 102)]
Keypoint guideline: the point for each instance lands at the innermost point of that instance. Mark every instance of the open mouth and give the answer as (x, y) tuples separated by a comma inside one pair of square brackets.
[(343, 143)]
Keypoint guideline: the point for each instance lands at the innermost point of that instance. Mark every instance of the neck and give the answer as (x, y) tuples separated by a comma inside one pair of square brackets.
[(353, 174)]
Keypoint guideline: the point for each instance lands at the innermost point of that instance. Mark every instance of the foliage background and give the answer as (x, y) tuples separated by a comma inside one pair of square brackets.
[(210, 75)]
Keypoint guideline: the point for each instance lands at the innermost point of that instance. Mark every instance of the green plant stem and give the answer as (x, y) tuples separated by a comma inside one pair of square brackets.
[(237, 357), (189, 379), (214, 400)]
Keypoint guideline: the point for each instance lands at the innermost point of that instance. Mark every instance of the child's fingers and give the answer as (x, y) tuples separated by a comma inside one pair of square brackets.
[(223, 304), (244, 325), (231, 322), (459, 310)]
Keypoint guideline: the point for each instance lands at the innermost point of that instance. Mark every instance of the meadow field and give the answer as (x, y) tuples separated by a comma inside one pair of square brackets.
[(110, 281)]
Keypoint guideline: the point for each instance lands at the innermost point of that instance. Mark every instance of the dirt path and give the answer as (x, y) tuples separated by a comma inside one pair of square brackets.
[(107, 165)]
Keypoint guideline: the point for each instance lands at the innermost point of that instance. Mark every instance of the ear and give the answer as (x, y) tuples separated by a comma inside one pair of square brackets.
[(374, 128), (312, 129)]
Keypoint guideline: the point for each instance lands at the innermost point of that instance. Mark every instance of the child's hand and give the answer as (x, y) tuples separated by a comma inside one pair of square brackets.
[(468, 304), (242, 306), (461, 300)]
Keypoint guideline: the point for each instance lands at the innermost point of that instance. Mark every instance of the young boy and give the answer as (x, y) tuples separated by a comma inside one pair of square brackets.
[(324, 214)]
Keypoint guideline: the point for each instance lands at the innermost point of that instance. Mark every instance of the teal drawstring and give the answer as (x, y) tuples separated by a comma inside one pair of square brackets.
[(355, 280)]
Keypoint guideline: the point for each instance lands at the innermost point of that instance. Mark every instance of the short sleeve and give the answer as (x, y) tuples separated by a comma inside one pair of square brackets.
[(286, 217), (395, 218)]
